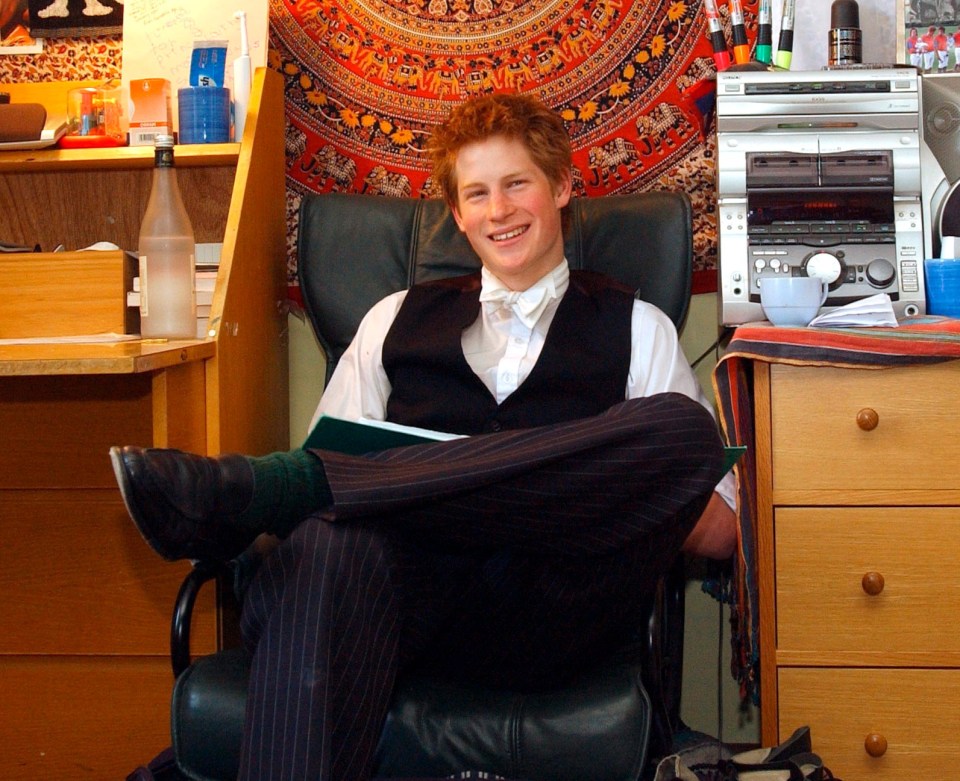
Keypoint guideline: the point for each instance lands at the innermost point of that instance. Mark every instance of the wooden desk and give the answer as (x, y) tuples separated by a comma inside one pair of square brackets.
[(84, 632)]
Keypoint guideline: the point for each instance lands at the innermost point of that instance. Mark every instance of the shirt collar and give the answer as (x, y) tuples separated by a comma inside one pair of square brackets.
[(527, 305)]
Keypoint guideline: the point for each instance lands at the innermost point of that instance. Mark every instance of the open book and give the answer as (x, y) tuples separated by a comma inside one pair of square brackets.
[(356, 437)]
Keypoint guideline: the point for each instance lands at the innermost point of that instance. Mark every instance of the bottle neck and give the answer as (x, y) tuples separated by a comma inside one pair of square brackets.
[(163, 157)]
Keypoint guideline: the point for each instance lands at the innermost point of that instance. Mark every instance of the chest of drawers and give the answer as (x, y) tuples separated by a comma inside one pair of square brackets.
[(858, 541)]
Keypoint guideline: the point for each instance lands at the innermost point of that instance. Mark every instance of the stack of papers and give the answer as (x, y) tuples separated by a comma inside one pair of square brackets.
[(871, 311)]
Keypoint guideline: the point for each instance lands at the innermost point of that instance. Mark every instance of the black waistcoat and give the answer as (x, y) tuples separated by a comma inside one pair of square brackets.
[(581, 371)]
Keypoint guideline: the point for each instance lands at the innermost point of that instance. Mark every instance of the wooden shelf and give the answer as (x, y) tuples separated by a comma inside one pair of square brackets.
[(124, 157)]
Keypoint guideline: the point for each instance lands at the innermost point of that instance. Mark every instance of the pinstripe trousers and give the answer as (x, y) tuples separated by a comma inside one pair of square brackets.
[(512, 558)]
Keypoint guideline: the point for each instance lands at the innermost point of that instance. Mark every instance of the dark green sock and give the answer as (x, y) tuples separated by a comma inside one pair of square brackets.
[(287, 487)]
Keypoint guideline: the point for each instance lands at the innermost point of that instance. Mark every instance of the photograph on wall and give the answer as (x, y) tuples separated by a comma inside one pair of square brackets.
[(15, 37), (75, 18), (932, 46), (931, 35)]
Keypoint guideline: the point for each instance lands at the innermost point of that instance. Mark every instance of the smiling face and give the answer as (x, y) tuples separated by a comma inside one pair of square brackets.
[(509, 210)]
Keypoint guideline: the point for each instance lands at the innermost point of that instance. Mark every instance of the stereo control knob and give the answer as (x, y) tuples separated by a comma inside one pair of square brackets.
[(880, 272), (824, 265)]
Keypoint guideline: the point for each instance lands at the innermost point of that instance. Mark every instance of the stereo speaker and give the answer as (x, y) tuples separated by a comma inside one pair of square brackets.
[(940, 158)]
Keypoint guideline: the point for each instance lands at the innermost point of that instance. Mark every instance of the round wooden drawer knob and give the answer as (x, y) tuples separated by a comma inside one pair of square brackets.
[(872, 583), (867, 419), (875, 745)]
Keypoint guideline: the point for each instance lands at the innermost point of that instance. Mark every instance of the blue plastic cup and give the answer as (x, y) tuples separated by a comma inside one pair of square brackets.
[(204, 115), (942, 280)]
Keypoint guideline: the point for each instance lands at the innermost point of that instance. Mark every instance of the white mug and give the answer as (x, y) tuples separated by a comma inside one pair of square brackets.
[(790, 300)]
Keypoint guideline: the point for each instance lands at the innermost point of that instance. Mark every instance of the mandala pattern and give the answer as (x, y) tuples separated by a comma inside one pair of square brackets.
[(366, 80)]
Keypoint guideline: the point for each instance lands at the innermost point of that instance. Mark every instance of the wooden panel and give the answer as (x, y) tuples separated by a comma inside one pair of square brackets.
[(47, 201), (817, 443), (34, 301), (82, 718), (248, 379), (77, 578), (179, 408), (916, 711), (765, 558), (822, 556), (56, 431)]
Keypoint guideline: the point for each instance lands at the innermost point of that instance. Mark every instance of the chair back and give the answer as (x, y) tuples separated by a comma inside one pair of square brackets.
[(355, 249)]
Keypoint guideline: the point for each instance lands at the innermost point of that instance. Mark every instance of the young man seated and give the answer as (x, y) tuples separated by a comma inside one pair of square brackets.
[(514, 556)]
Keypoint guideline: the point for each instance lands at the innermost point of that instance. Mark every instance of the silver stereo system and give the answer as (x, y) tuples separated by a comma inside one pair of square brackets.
[(819, 174), (940, 158)]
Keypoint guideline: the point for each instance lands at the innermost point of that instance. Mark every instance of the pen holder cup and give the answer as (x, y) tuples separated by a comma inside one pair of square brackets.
[(96, 112), (204, 115)]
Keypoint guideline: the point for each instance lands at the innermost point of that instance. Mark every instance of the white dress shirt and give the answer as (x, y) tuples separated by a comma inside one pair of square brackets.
[(502, 349)]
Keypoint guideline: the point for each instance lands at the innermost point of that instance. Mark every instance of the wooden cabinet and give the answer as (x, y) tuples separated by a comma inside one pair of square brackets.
[(858, 532), (84, 632)]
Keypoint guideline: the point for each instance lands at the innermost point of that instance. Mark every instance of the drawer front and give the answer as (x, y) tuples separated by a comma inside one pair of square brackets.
[(818, 442), (57, 430), (78, 579), (830, 559), (915, 712), (81, 717)]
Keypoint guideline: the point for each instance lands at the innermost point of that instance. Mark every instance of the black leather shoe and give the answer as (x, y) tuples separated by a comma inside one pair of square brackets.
[(185, 505)]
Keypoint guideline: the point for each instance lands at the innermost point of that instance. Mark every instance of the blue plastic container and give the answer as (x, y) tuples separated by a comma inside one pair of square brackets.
[(942, 279)]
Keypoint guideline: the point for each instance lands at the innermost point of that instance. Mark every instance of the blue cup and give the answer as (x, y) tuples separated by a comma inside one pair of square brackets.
[(942, 280), (204, 115)]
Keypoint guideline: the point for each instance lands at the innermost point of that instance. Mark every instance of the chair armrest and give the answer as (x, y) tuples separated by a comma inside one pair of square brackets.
[(201, 573)]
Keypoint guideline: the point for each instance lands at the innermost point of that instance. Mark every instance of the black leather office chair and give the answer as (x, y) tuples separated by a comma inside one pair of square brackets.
[(605, 726)]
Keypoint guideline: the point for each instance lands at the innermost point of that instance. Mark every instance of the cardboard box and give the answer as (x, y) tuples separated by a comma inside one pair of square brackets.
[(66, 294), (150, 111)]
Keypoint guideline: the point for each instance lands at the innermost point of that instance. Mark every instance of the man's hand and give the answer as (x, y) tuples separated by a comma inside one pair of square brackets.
[(715, 535)]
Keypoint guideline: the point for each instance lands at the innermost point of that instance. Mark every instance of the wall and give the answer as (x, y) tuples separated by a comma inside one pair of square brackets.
[(878, 21)]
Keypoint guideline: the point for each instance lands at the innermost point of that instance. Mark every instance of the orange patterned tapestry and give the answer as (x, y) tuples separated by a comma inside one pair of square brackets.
[(366, 80)]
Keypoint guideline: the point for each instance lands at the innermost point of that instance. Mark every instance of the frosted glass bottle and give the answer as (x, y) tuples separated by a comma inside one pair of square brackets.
[(168, 305)]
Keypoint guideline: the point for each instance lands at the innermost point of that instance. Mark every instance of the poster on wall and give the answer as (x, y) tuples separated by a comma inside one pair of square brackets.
[(77, 18), (15, 37)]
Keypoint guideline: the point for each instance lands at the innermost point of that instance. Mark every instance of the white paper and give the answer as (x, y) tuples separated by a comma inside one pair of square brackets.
[(426, 433), (874, 310)]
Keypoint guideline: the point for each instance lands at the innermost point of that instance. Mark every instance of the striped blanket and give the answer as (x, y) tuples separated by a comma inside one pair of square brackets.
[(917, 340)]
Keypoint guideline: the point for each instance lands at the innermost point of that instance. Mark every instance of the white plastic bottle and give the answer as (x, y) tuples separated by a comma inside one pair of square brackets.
[(168, 307)]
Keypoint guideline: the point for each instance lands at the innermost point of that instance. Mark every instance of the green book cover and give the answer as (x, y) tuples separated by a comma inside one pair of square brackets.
[(731, 455)]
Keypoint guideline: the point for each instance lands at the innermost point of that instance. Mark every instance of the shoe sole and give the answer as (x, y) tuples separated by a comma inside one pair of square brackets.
[(126, 492)]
